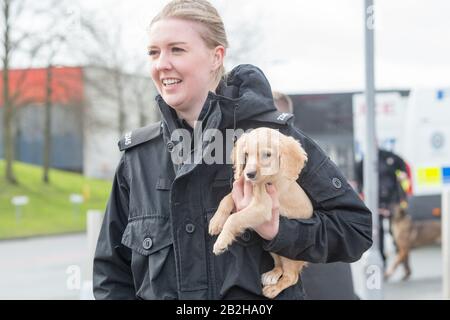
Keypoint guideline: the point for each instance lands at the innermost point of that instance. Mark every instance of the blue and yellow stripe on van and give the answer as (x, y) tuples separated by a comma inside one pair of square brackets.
[(433, 176), (446, 175)]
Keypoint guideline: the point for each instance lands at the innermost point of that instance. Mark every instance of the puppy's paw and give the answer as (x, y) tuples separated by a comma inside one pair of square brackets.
[(406, 276), (271, 277), (219, 248), (223, 241), (216, 223), (271, 291)]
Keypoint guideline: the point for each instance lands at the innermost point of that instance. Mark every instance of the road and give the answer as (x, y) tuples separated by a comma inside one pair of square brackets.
[(426, 278), (425, 282), (42, 268), (50, 267)]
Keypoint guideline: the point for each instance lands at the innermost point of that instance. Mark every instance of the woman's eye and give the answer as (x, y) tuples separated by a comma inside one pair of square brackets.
[(152, 52), (175, 49)]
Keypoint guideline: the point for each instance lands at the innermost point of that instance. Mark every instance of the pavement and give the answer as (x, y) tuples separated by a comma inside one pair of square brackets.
[(43, 268), (426, 278), (55, 268), (425, 282)]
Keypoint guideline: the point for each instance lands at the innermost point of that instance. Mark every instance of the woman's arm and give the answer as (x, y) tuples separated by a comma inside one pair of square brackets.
[(341, 226), (112, 278)]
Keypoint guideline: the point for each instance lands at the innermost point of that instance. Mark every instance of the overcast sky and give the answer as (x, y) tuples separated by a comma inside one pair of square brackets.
[(317, 46)]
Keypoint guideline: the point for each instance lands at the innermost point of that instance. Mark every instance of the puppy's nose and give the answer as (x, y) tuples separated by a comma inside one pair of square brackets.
[(251, 175)]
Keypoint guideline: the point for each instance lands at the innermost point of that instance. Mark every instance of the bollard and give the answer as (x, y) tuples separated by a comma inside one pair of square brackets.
[(93, 224), (445, 223), (76, 200), (19, 202)]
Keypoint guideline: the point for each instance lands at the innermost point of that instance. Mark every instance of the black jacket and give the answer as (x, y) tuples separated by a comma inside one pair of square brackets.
[(389, 188), (154, 242)]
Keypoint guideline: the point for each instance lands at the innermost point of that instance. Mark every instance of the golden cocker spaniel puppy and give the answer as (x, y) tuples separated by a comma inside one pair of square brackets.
[(265, 156)]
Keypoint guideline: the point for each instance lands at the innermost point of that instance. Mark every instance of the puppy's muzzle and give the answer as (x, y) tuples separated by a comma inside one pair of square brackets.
[(251, 175)]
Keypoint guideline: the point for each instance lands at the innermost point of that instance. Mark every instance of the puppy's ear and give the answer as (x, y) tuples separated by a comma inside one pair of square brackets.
[(238, 156), (292, 158)]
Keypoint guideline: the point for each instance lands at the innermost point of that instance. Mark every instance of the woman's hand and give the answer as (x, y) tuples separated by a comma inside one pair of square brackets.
[(242, 195)]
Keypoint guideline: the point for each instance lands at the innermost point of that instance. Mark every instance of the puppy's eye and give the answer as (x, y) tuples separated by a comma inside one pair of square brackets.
[(267, 154)]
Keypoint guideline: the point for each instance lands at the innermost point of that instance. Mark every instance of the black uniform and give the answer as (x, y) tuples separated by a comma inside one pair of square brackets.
[(389, 188), (390, 191), (154, 241)]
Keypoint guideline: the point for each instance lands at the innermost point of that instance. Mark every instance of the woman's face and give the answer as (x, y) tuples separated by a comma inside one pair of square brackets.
[(182, 67)]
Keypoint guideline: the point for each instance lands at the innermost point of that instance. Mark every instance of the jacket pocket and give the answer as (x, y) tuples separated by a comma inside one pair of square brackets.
[(325, 184), (147, 235), (221, 186), (223, 182), (152, 260)]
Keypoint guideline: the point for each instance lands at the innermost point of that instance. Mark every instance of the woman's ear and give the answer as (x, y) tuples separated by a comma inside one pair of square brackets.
[(292, 158), (219, 55), (238, 156)]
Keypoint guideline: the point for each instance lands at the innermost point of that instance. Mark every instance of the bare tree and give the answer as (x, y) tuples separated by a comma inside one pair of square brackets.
[(143, 84), (11, 9), (54, 48), (245, 36), (7, 106), (17, 42), (106, 53), (53, 44)]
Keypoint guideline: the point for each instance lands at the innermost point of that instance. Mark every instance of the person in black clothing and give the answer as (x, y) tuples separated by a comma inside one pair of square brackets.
[(154, 241), (392, 169)]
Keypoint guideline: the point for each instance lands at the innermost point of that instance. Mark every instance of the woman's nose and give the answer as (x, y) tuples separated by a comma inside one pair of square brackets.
[(163, 62)]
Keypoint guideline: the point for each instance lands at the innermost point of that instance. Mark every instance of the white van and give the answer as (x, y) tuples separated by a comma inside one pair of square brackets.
[(416, 127)]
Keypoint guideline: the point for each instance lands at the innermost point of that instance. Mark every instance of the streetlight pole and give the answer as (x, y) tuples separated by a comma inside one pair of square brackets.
[(372, 261)]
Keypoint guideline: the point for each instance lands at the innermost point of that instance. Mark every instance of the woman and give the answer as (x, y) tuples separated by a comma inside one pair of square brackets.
[(154, 241)]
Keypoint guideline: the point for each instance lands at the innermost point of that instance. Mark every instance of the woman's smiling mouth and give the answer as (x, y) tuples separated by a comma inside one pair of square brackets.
[(170, 81)]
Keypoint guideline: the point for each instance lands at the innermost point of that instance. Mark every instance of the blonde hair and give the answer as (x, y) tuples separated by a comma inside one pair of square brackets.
[(202, 12)]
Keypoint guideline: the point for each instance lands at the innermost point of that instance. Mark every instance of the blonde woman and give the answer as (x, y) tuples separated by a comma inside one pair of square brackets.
[(154, 242)]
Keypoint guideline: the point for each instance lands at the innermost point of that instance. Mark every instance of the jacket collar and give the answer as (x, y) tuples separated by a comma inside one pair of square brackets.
[(244, 93), (169, 116)]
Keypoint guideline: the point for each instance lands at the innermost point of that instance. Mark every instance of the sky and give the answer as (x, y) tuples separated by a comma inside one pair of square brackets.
[(308, 46)]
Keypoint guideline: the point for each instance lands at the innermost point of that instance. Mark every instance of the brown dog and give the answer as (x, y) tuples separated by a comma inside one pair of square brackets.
[(410, 234), (265, 156)]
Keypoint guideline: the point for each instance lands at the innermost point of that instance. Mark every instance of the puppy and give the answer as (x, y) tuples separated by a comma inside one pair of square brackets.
[(410, 234), (265, 156)]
